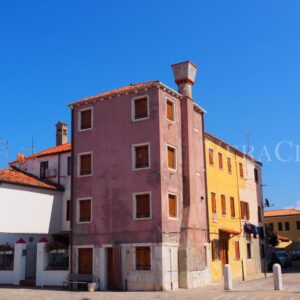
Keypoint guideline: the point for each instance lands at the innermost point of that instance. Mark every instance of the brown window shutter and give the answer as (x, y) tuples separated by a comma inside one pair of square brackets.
[(213, 203), (223, 202), (85, 164), (171, 158), (143, 259), (85, 210), (172, 206), (141, 108), (241, 170), (211, 156), (68, 210), (141, 156), (220, 160), (170, 110), (229, 164), (259, 213), (86, 119), (232, 208), (247, 211), (143, 206), (237, 250), (242, 210), (215, 249)]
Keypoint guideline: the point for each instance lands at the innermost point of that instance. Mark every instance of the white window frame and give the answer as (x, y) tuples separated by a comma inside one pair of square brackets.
[(174, 110), (79, 118), (171, 146), (134, 157), (134, 205), (133, 119), (79, 163), (78, 210), (176, 195), (134, 257)]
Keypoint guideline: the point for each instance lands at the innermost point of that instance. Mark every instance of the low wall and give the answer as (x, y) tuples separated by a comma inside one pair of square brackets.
[(54, 277), (6, 277)]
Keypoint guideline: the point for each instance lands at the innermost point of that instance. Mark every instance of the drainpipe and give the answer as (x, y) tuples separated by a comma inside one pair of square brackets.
[(72, 192)]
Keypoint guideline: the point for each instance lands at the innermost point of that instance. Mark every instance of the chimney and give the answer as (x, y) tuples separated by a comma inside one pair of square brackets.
[(185, 73), (61, 133)]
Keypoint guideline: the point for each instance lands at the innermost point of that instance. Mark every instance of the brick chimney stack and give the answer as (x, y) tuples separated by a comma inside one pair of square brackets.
[(61, 133), (185, 74)]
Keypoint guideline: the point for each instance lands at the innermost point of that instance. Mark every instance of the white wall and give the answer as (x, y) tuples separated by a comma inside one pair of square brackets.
[(29, 210)]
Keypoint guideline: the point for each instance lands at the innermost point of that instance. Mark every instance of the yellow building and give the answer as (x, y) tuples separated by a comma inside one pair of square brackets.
[(228, 177), (286, 224)]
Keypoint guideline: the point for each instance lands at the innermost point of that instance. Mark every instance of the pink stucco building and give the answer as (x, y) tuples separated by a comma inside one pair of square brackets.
[(139, 214)]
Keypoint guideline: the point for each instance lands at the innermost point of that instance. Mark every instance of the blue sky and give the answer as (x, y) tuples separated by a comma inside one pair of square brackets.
[(55, 52)]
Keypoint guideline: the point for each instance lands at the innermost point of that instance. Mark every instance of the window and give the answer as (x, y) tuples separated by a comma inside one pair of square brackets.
[(249, 251), (229, 165), (85, 119), (141, 157), (256, 175), (223, 203), (211, 156), (213, 203), (241, 170), (271, 226), (298, 225), (69, 165), (140, 108), (259, 213), (287, 226), (58, 260), (85, 164), (237, 250), (171, 158), (143, 258), (85, 213), (232, 207), (68, 210), (142, 206), (170, 110), (262, 251), (43, 169), (220, 156), (280, 226), (7, 258), (215, 249), (245, 214), (172, 205)]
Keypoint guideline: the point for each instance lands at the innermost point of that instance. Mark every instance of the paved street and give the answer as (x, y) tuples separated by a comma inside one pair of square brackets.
[(257, 289)]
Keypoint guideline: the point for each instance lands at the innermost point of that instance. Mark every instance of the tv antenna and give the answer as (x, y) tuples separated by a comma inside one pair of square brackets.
[(4, 148), (30, 150)]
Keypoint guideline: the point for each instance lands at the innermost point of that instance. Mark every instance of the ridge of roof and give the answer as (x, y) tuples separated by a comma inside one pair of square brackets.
[(235, 150), (50, 151), (281, 212), (122, 90), (14, 175)]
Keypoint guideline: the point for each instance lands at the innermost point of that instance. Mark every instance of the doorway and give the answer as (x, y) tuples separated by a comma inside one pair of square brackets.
[(30, 270), (113, 268), (85, 260), (224, 250)]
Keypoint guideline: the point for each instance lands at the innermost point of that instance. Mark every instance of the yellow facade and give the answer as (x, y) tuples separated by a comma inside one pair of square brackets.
[(224, 227)]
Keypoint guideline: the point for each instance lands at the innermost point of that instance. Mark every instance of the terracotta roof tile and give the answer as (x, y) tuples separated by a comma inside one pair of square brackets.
[(51, 151), (281, 212), (15, 176)]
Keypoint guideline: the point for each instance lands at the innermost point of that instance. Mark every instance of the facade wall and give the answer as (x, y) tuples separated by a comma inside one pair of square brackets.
[(29, 210)]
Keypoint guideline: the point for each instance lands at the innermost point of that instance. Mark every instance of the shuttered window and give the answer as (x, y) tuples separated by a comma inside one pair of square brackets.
[(223, 203), (241, 167), (171, 157), (259, 213), (229, 167), (85, 210), (172, 205), (143, 258), (141, 156), (245, 214), (215, 249), (85, 161), (213, 203), (232, 207), (220, 156), (256, 175), (143, 206), (140, 108), (68, 210), (211, 156), (85, 119), (170, 110), (237, 250)]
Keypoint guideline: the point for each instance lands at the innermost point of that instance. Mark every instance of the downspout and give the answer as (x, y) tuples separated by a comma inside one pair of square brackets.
[(72, 192), (58, 171)]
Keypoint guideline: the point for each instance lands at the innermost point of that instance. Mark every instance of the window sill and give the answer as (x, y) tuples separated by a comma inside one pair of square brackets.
[(140, 119), (140, 169), (81, 176), (87, 129)]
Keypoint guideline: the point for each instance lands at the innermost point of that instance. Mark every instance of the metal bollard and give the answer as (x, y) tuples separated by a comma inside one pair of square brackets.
[(227, 278), (277, 277)]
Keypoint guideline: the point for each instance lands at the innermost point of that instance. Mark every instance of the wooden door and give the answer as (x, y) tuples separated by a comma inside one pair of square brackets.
[(224, 252), (110, 269), (85, 261), (113, 267)]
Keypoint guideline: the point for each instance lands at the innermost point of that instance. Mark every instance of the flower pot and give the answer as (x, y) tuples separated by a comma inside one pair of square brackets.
[(92, 287)]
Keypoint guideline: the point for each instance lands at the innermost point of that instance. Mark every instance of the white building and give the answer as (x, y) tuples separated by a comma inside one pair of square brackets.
[(34, 207)]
